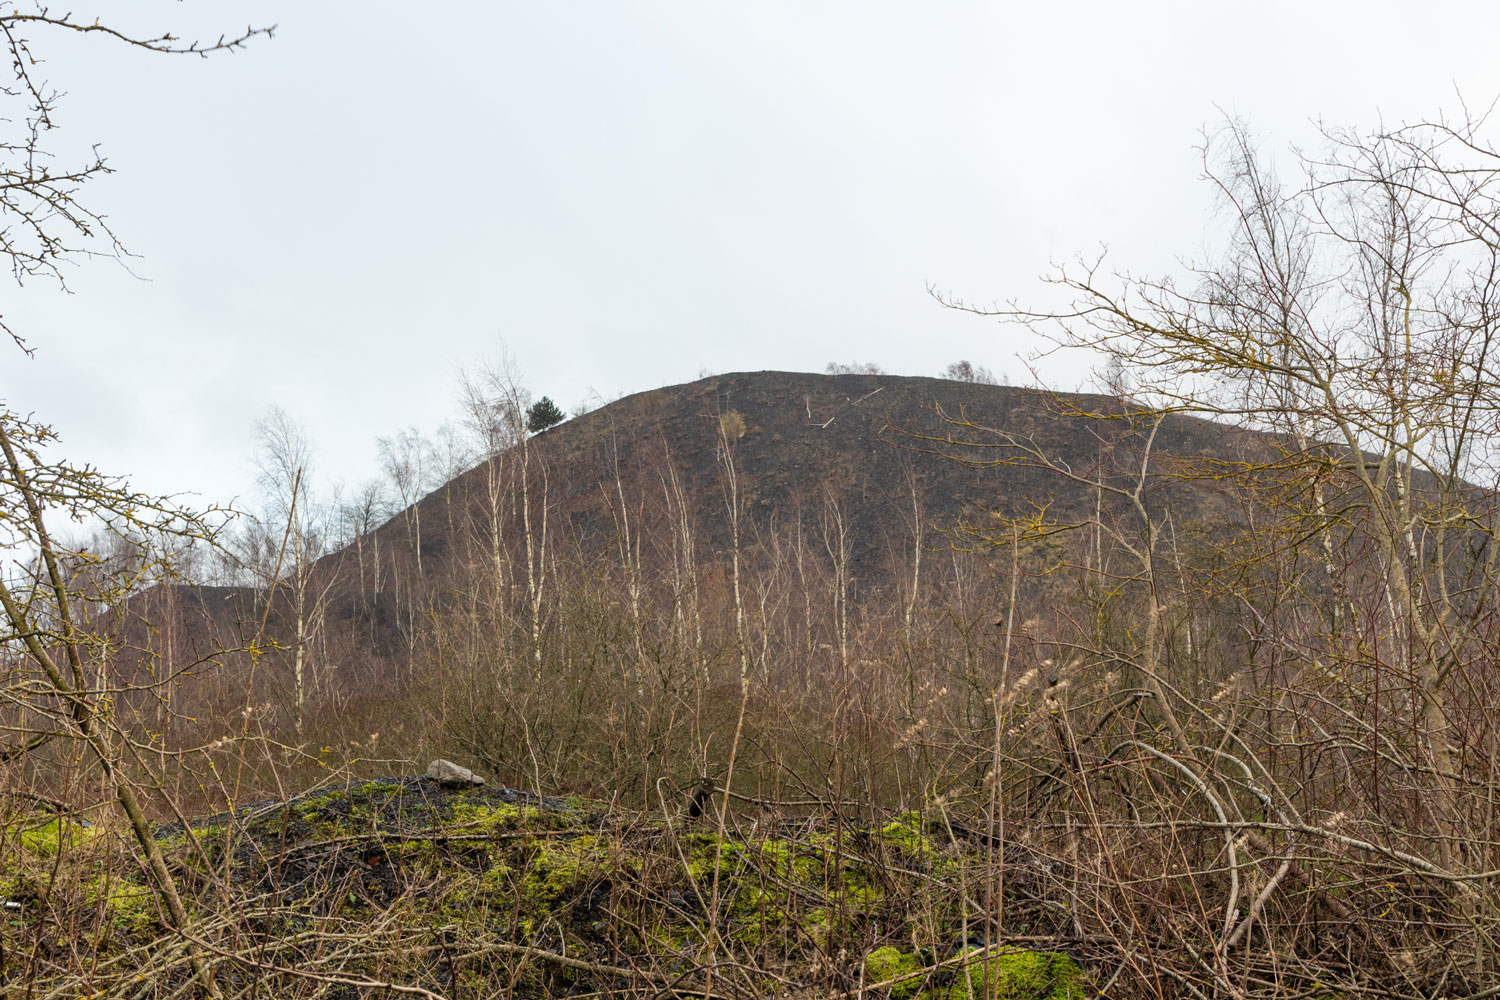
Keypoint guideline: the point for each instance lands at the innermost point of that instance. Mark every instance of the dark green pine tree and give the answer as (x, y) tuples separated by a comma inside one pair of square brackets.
[(543, 414)]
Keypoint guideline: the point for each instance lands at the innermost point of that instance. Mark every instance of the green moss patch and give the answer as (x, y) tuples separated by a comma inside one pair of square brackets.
[(58, 834), (885, 964), (1024, 975)]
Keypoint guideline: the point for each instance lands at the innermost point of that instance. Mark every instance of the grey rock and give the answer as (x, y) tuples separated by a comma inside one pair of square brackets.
[(450, 775)]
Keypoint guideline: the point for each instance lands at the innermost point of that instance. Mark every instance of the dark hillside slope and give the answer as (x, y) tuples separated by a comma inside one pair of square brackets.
[(858, 439), (855, 469)]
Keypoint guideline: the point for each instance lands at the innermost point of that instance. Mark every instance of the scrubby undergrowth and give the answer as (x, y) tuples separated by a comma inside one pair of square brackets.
[(404, 886)]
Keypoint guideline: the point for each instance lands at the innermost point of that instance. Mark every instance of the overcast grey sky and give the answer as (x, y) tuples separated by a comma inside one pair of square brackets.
[(626, 193)]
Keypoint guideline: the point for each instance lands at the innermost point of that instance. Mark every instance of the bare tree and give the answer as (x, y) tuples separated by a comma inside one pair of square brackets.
[(1353, 317), (289, 539), (853, 368), (408, 459), (48, 224), (731, 429), (367, 509), (964, 371), (495, 402)]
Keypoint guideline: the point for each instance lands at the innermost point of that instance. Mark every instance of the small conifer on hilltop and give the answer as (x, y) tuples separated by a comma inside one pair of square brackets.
[(543, 414)]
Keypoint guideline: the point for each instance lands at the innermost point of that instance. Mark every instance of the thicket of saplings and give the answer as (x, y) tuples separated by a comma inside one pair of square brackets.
[(1189, 753)]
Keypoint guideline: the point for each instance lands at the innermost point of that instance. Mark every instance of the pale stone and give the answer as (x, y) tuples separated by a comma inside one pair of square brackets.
[(450, 775)]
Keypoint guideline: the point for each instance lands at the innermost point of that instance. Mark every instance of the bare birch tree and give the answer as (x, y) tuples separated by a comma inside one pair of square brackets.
[(293, 533)]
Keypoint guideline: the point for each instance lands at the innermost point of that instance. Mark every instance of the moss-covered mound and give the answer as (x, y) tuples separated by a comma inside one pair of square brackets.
[(476, 893), (978, 974)]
